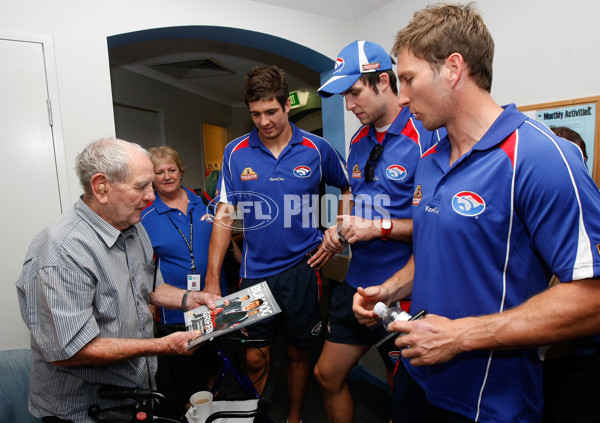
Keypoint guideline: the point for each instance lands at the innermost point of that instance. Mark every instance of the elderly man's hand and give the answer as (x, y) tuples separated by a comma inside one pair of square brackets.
[(177, 342), (198, 298)]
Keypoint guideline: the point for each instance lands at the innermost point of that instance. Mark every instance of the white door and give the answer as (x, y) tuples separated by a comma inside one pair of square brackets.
[(29, 186), (140, 125)]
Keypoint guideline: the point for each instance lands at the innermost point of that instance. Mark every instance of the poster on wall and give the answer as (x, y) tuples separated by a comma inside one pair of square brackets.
[(580, 118)]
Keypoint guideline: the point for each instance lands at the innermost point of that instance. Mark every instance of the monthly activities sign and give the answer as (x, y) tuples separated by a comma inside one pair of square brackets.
[(580, 118)]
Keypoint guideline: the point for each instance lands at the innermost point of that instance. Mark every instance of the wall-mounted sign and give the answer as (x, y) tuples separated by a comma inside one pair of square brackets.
[(581, 119), (298, 98), (578, 114)]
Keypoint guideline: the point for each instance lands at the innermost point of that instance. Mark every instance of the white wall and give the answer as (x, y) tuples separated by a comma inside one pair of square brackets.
[(546, 50), (80, 28)]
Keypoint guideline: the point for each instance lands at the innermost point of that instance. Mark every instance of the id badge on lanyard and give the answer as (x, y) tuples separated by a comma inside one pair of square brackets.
[(193, 282)]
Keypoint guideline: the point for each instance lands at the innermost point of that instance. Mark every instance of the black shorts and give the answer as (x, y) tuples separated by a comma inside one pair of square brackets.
[(297, 292), (343, 327), (410, 404), (571, 389)]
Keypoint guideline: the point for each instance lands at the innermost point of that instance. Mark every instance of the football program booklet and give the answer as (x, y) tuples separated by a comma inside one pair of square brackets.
[(242, 308)]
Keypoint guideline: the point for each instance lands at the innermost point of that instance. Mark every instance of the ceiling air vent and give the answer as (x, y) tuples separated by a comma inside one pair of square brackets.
[(193, 69)]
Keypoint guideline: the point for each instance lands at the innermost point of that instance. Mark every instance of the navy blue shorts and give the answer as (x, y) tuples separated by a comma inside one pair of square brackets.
[(297, 292), (410, 404), (344, 328)]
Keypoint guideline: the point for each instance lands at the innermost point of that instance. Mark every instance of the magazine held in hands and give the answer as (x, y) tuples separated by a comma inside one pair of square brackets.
[(234, 311)]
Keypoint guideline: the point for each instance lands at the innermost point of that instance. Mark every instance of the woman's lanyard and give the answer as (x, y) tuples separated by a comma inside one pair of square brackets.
[(189, 244)]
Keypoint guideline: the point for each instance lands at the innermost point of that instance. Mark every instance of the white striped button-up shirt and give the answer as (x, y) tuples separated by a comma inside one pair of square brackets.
[(83, 279)]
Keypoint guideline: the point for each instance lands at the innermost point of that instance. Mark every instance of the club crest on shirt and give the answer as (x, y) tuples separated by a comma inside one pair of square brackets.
[(207, 217), (302, 171), (394, 356), (248, 174), (396, 172), (356, 173), (417, 196), (468, 203)]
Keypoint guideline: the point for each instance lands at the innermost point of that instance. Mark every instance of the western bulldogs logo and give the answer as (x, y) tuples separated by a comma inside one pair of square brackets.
[(207, 217), (339, 65), (396, 172), (394, 356), (302, 171), (468, 203), (316, 330)]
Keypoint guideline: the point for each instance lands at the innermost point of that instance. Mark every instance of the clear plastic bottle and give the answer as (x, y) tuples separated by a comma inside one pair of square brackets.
[(390, 314)]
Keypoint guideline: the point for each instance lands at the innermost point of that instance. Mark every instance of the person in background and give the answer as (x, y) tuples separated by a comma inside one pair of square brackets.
[(383, 159), (179, 225), (572, 368), (265, 173), (573, 136), (211, 179), (500, 204), (85, 287)]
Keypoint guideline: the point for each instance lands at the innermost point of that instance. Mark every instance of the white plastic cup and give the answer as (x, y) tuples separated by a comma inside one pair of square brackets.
[(201, 407)]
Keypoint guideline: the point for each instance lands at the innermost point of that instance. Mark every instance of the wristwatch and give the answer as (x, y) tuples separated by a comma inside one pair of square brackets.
[(386, 228)]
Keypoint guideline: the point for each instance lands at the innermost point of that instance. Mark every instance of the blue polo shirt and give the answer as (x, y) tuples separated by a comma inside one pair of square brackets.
[(388, 195), (277, 198), (488, 233), (167, 228)]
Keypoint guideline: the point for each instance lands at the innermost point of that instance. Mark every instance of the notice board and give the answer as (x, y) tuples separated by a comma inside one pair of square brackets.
[(581, 115)]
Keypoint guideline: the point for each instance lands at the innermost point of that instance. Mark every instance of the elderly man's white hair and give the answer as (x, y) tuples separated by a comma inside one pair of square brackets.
[(109, 156)]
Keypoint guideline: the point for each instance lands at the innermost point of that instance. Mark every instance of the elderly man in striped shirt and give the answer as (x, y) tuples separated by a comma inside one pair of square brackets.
[(85, 287)]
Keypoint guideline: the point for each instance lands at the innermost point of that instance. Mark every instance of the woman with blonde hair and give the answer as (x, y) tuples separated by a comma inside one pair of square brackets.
[(179, 224)]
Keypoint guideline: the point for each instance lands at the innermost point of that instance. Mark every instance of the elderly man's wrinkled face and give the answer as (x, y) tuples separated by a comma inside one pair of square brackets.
[(126, 200)]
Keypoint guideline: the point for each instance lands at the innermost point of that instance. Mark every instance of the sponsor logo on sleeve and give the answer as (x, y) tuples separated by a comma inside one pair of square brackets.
[(468, 203), (396, 172), (248, 174), (356, 173), (417, 196)]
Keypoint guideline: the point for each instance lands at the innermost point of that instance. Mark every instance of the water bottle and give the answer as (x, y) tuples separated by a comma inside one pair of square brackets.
[(390, 314)]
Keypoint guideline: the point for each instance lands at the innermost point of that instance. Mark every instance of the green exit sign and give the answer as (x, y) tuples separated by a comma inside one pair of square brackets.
[(294, 100), (298, 99)]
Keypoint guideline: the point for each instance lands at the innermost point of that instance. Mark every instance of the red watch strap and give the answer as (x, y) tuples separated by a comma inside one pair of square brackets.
[(385, 233)]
